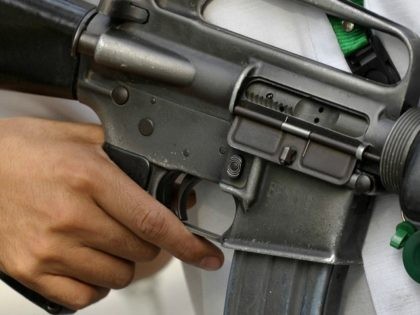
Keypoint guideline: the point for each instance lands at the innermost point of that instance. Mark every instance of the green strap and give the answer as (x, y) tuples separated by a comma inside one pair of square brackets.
[(349, 41)]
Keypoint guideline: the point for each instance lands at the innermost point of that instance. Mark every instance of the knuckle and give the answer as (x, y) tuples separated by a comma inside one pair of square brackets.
[(152, 253), (24, 271), (152, 225), (80, 176), (123, 242), (67, 218), (187, 253), (124, 276), (134, 248), (83, 299), (81, 180), (44, 252), (98, 133), (147, 253)]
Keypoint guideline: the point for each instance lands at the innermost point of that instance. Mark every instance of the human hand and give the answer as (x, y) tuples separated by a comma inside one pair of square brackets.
[(72, 224)]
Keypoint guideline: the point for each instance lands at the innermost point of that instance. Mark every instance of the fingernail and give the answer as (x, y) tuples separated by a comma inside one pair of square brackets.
[(211, 263)]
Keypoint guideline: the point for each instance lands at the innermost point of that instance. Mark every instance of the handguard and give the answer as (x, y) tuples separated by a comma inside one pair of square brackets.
[(302, 147)]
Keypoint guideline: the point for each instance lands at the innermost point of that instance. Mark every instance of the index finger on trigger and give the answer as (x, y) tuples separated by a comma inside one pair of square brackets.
[(129, 204)]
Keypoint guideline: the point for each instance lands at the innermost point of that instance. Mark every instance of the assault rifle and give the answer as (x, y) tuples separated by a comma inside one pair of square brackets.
[(302, 147)]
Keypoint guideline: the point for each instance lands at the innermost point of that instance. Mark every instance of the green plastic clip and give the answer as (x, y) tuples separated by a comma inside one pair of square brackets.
[(407, 237), (403, 231)]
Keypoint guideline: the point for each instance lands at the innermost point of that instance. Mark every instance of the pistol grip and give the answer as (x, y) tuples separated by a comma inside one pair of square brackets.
[(135, 166)]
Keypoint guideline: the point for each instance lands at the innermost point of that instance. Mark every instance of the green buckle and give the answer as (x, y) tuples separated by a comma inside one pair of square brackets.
[(403, 231), (350, 37)]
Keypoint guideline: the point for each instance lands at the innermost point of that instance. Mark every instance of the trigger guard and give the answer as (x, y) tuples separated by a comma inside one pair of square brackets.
[(164, 193), (187, 185)]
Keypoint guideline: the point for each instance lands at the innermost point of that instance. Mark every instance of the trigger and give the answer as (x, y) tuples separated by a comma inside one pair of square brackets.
[(185, 189), (174, 190)]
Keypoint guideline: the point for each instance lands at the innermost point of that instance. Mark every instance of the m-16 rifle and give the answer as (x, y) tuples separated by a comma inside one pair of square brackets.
[(302, 147)]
